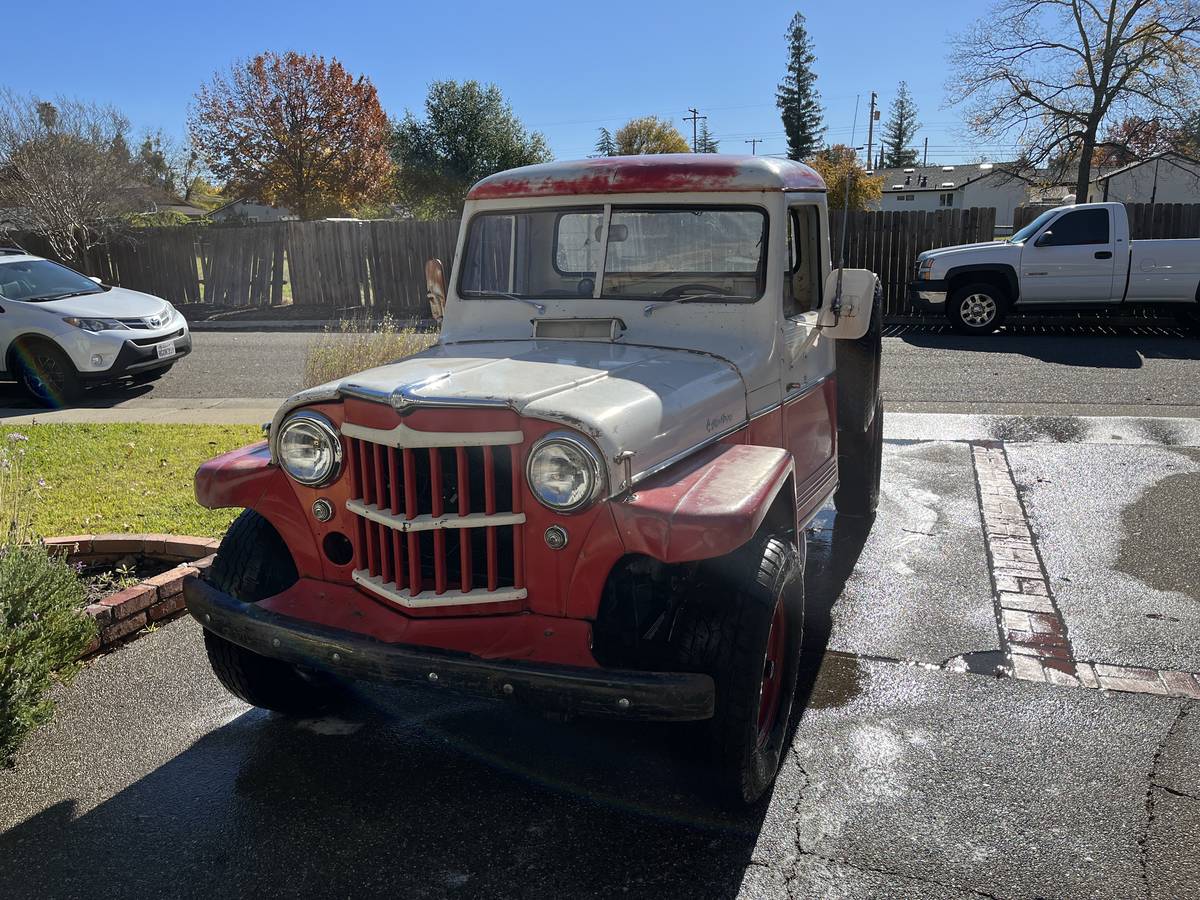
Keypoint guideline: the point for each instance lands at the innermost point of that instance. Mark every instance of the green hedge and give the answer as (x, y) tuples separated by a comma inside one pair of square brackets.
[(42, 632)]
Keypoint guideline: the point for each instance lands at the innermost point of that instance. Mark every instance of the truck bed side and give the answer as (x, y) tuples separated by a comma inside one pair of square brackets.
[(1164, 271)]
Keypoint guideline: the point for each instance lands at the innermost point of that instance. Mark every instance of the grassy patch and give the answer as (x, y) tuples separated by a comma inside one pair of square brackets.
[(124, 478), (357, 344)]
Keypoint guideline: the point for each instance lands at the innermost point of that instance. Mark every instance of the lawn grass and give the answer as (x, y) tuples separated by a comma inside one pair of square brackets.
[(133, 478)]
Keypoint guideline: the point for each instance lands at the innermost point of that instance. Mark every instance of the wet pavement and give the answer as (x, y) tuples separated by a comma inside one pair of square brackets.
[(905, 778)]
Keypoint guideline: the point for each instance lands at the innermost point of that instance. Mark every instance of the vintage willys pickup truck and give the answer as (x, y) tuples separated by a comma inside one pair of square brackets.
[(591, 494)]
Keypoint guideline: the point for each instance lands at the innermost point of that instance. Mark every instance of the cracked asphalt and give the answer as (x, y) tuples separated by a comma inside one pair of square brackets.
[(904, 778)]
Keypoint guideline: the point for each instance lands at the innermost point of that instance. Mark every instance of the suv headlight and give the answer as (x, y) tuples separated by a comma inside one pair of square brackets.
[(564, 472), (96, 325), (309, 449)]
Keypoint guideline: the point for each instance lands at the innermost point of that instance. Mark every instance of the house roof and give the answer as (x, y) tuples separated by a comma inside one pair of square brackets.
[(1149, 159), (659, 173), (940, 178)]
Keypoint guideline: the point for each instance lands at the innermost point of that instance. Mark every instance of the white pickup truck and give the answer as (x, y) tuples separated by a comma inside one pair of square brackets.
[(1068, 258)]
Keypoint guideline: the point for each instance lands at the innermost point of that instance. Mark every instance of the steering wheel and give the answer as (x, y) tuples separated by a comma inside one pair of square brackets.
[(680, 289)]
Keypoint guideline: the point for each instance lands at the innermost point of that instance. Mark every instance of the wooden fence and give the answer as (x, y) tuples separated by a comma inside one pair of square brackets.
[(379, 265), (1147, 221), (336, 266), (887, 243)]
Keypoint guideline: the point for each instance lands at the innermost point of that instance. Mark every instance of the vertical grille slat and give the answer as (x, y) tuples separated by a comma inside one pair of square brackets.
[(429, 519)]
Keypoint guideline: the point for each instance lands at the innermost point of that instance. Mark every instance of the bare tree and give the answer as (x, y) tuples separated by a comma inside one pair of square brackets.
[(1053, 73), (65, 169)]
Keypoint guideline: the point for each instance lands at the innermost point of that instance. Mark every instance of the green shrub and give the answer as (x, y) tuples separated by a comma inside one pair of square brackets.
[(42, 631), (42, 626), (358, 344)]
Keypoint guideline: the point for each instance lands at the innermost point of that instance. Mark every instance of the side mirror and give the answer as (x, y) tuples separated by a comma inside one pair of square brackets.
[(435, 287), (1046, 239), (96, 278), (857, 303)]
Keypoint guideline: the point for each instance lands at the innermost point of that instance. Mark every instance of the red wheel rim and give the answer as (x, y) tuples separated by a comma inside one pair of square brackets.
[(771, 692)]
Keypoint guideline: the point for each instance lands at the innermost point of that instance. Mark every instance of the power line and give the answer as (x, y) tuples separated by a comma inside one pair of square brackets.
[(753, 142), (694, 118)]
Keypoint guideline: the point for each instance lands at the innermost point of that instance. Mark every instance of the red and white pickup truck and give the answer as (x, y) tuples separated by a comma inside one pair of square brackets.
[(1068, 258), (591, 495)]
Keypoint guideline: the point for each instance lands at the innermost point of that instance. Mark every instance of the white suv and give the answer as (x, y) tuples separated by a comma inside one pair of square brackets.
[(60, 330)]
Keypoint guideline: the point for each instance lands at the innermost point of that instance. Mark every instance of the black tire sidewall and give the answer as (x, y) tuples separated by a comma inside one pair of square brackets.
[(954, 307), (858, 365), (70, 386)]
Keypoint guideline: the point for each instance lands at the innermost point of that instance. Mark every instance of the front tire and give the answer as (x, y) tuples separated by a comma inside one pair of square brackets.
[(253, 563), (47, 374), (744, 626), (977, 308)]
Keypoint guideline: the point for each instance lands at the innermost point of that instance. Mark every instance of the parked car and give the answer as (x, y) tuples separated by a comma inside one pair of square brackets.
[(1068, 258), (60, 330), (591, 495)]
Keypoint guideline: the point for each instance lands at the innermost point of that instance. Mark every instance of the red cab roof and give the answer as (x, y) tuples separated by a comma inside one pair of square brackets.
[(662, 173)]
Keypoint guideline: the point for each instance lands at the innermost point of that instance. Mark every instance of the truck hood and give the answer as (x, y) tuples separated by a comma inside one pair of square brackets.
[(657, 403), (998, 249)]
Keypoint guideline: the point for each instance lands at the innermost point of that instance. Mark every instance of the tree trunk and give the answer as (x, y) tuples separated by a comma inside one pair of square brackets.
[(1084, 177)]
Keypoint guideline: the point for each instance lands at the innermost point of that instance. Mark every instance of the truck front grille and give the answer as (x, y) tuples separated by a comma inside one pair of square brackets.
[(437, 526)]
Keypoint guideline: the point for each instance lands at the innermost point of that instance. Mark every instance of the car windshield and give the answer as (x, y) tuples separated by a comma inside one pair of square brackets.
[(39, 279), (1032, 228), (709, 253)]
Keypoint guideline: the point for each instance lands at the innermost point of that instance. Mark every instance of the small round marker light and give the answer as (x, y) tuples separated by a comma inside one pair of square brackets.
[(556, 537), (322, 510)]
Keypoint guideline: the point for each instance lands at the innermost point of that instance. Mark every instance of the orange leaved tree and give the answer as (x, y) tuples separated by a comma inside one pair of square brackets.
[(294, 131)]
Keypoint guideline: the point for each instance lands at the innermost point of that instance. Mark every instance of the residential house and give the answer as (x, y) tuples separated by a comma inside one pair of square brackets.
[(1168, 177), (959, 186), (246, 211)]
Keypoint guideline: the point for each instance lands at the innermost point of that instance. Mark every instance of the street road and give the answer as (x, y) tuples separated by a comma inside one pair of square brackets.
[(915, 771), (923, 370)]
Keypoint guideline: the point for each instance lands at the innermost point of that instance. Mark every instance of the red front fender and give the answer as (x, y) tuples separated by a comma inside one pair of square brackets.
[(706, 506)]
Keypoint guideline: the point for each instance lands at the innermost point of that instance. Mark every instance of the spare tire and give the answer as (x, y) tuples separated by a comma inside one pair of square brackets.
[(858, 374)]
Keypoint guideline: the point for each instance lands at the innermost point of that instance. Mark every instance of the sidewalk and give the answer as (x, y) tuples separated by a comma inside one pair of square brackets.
[(221, 411)]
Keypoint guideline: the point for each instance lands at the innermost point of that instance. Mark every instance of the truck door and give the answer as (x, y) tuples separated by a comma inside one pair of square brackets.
[(808, 404), (1071, 261)]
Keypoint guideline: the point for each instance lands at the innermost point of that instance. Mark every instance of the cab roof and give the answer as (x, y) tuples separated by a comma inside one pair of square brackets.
[(660, 173)]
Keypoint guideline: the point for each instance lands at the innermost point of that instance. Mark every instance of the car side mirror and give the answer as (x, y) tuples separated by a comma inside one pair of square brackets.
[(856, 302), (96, 278), (435, 288), (1044, 240)]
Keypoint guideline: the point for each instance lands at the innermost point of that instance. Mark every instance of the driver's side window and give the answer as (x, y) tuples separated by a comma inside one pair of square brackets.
[(802, 282)]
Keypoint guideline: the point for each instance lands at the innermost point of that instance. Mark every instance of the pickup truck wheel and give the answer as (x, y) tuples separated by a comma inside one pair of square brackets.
[(976, 308), (253, 563), (47, 374), (860, 466), (744, 626)]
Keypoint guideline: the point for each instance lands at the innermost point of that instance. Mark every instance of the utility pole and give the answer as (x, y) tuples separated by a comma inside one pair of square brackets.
[(871, 127), (925, 155), (694, 118), (754, 142)]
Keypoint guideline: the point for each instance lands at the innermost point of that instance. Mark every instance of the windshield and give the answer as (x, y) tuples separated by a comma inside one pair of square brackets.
[(40, 279), (708, 253), (1032, 228)]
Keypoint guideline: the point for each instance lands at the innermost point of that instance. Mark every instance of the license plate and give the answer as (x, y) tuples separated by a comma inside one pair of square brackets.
[(165, 351)]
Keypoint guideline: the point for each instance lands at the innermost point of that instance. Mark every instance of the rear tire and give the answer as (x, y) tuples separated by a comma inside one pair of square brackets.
[(253, 563), (744, 626), (977, 308), (47, 374)]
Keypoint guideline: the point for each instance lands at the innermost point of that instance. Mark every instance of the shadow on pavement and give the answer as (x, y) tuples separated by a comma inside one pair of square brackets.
[(1097, 350), (101, 396)]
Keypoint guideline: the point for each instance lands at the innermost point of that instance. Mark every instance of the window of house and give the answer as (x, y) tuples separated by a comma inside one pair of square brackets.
[(802, 286), (946, 200), (1085, 226)]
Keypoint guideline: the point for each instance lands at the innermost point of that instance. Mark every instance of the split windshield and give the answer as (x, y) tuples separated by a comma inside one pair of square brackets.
[(39, 279), (712, 253)]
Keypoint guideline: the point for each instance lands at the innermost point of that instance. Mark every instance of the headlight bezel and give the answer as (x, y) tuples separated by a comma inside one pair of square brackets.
[(85, 323), (326, 429), (594, 468)]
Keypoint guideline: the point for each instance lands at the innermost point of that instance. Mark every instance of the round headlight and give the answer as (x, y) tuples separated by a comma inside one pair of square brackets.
[(564, 473), (310, 449)]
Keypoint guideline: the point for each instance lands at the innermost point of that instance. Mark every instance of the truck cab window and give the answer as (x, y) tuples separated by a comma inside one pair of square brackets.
[(802, 286), (1085, 226)]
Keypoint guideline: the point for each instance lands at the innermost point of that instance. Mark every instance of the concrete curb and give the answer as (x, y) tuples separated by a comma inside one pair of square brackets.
[(219, 411), (122, 615)]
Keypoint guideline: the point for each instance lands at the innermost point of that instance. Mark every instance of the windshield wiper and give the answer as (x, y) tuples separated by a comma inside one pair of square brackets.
[(49, 297), (538, 306), (649, 309)]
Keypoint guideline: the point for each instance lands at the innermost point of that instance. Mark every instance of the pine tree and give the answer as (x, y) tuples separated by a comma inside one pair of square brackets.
[(605, 145), (705, 142), (797, 97), (899, 131)]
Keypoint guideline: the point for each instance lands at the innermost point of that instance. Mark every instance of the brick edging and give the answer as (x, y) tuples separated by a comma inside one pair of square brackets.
[(124, 613)]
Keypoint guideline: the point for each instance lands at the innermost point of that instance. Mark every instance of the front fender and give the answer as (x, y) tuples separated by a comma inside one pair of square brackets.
[(706, 506)]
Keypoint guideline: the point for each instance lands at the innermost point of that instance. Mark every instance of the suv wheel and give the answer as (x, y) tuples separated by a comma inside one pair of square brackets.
[(47, 374), (253, 563), (977, 308), (744, 626)]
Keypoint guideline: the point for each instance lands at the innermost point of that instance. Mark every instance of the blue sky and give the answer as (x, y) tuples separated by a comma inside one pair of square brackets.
[(567, 68)]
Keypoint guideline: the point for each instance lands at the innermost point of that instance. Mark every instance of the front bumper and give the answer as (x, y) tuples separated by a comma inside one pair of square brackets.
[(134, 358), (619, 693), (929, 295)]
